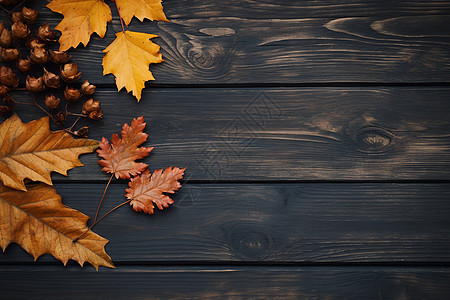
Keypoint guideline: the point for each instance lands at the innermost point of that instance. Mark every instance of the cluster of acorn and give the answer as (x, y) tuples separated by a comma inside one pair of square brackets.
[(39, 56)]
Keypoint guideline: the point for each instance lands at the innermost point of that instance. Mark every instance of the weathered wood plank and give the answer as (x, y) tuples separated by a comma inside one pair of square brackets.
[(289, 223), (285, 134), (291, 42), (228, 282)]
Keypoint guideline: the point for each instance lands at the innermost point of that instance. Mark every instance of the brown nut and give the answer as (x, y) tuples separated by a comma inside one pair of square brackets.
[(17, 17), (60, 118), (72, 94), (5, 109), (3, 90), (38, 55), (44, 33), (51, 80), (58, 57), (20, 30), (9, 54), (31, 43), (95, 115), (87, 88), (51, 101), (82, 132), (5, 36), (24, 65), (29, 15), (69, 72), (8, 77), (34, 85), (9, 100), (90, 106)]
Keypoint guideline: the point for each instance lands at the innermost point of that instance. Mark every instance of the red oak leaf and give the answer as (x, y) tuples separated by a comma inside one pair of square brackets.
[(120, 155), (148, 188)]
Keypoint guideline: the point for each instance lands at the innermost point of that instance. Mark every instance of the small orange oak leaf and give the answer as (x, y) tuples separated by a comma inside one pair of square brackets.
[(128, 58), (81, 19), (148, 188), (119, 156), (31, 150), (141, 9), (39, 222)]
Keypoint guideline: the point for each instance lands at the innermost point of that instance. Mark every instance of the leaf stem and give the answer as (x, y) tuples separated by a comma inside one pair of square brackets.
[(120, 17), (51, 117), (96, 222), (101, 200)]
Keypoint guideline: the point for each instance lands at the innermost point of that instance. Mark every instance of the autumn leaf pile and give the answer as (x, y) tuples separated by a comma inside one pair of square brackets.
[(128, 57), (32, 214)]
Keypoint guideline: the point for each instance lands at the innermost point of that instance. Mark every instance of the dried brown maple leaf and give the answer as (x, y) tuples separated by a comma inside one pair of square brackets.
[(39, 222), (141, 9), (81, 19), (119, 156), (128, 58), (31, 150), (148, 188)]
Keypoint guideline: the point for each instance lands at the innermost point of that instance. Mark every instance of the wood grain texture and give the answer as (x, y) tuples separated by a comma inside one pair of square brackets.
[(283, 134), (290, 42), (273, 223), (228, 282)]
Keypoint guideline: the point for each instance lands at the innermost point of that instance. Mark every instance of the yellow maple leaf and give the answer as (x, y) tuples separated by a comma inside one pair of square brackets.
[(141, 9), (39, 222), (81, 19), (32, 151), (128, 58)]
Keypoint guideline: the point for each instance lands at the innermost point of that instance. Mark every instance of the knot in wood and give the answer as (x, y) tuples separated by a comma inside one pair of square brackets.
[(252, 244), (373, 139)]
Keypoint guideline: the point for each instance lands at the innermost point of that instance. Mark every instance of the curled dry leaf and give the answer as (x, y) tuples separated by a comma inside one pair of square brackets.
[(39, 222), (128, 58), (119, 156), (148, 188), (31, 150), (81, 19), (141, 9)]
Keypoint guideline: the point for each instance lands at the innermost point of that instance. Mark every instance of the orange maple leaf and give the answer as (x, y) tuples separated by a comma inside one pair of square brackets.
[(148, 188), (128, 58), (81, 19), (120, 155), (141, 9), (39, 222)]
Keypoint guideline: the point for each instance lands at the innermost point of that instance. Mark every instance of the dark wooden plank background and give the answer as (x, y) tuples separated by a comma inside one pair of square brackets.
[(317, 141)]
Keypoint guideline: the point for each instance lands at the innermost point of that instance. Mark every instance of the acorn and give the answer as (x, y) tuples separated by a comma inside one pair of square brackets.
[(9, 100), (90, 106), (38, 55), (87, 88), (51, 101), (20, 30), (3, 90), (51, 80), (5, 36), (5, 109), (95, 115), (44, 33), (58, 57), (82, 132), (31, 43), (34, 85), (17, 17), (8, 77), (60, 118), (24, 65), (29, 15), (72, 94), (69, 72), (9, 54)]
